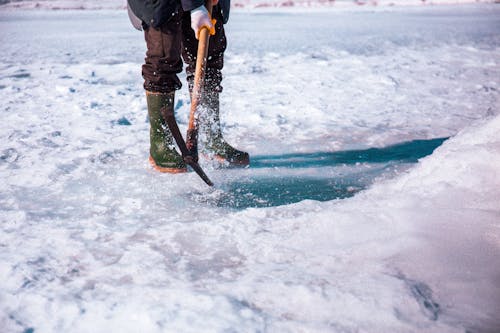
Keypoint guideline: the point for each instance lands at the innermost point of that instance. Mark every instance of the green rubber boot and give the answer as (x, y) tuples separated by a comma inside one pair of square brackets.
[(163, 156), (215, 145)]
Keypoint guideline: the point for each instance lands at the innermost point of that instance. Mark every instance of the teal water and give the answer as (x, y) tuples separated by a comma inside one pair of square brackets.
[(407, 152), (275, 180)]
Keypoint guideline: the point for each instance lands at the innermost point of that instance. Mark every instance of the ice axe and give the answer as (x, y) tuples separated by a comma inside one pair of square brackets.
[(189, 148)]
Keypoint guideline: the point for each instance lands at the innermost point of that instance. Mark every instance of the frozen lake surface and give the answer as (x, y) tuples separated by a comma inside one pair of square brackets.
[(372, 203)]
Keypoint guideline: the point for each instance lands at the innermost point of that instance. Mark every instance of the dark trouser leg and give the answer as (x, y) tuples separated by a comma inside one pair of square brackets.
[(216, 48), (209, 119), (163, 57)]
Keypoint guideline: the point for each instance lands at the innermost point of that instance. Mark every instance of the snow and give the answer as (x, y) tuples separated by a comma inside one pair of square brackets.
[(63, 4), (93, 240), (238, 4)]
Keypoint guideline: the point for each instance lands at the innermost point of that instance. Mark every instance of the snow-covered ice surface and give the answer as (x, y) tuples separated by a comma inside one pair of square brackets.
[(120, 4), (63, 4), (93, 240)]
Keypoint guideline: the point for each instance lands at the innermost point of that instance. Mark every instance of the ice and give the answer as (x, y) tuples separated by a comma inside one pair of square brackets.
[(247, 4), (372, 204)]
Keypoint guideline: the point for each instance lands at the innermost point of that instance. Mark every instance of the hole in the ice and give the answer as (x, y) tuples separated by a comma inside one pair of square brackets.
[(284, 179), (282, 190)]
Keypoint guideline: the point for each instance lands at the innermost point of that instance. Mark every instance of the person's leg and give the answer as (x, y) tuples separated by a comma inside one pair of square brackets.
[(163, 62), (209, 118)]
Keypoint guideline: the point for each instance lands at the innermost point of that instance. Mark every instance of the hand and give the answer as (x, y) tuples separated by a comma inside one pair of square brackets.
[(199, 19)]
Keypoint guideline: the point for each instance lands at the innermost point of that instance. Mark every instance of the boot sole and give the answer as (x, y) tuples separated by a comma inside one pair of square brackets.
[(165, 170), (241, 163)]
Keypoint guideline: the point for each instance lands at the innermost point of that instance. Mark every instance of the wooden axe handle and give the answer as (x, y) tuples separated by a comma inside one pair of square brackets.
[(199, 74)]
